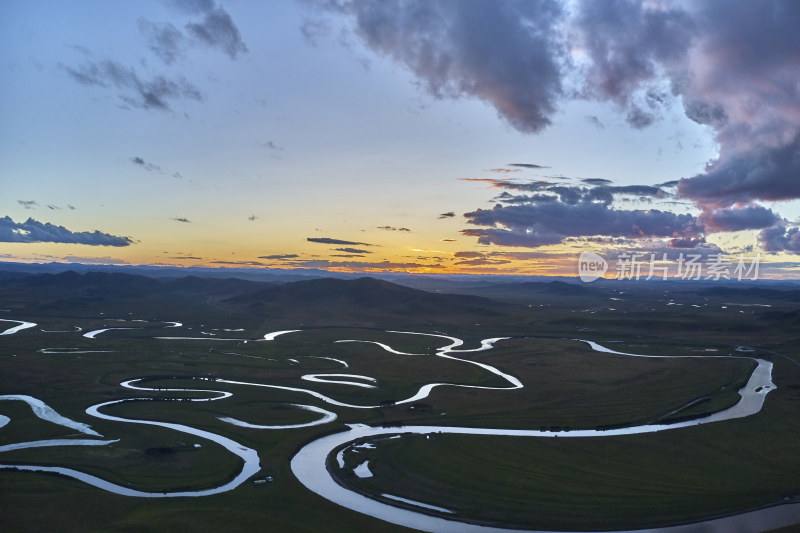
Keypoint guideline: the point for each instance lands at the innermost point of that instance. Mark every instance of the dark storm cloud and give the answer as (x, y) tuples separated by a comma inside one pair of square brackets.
[(328, 240), (635, 190), (731, 64), (686, 242), (554, 213), (738, 218), (763, 174), (540, 224), (570, 194), (750, 50), (513, 56), (217, 30), (627, 45), (164, 40), (154, 93), (508, 198), (352, 250), (780, 238), (35, 231), (596, 181), (507, 54), (526, 165)]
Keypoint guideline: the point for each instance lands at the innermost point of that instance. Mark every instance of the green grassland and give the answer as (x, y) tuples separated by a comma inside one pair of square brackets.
[(609, 482), (564, 483)]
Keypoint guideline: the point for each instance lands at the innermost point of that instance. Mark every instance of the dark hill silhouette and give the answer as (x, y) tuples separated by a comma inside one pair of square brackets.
[(532, 292), (93, 283), (325, 301), (85, 292), (209, 285), (361, 291), (370, 300), (116, 285)]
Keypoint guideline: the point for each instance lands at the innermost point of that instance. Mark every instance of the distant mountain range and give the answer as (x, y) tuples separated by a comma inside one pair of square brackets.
[(324, 301), (431, 282), (366, 301)]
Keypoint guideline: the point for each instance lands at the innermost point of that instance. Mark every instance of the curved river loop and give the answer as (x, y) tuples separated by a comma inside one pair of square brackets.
[(309, 464)]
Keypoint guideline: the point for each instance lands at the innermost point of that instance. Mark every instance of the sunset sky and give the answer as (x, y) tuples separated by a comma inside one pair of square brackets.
[(432, 136)]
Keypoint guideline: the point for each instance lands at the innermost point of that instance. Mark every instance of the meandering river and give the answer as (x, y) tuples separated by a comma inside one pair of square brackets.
[(309, 464), (22, 325)]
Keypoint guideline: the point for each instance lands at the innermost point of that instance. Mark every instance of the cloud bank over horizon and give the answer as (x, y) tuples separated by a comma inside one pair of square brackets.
[(730, 65), (540, 213), (34, 231)]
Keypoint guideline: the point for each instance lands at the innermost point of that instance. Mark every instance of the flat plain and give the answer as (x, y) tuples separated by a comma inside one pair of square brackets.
[(633, 481)]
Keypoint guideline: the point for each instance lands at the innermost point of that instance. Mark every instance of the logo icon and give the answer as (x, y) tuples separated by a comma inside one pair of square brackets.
[(591, 266)]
